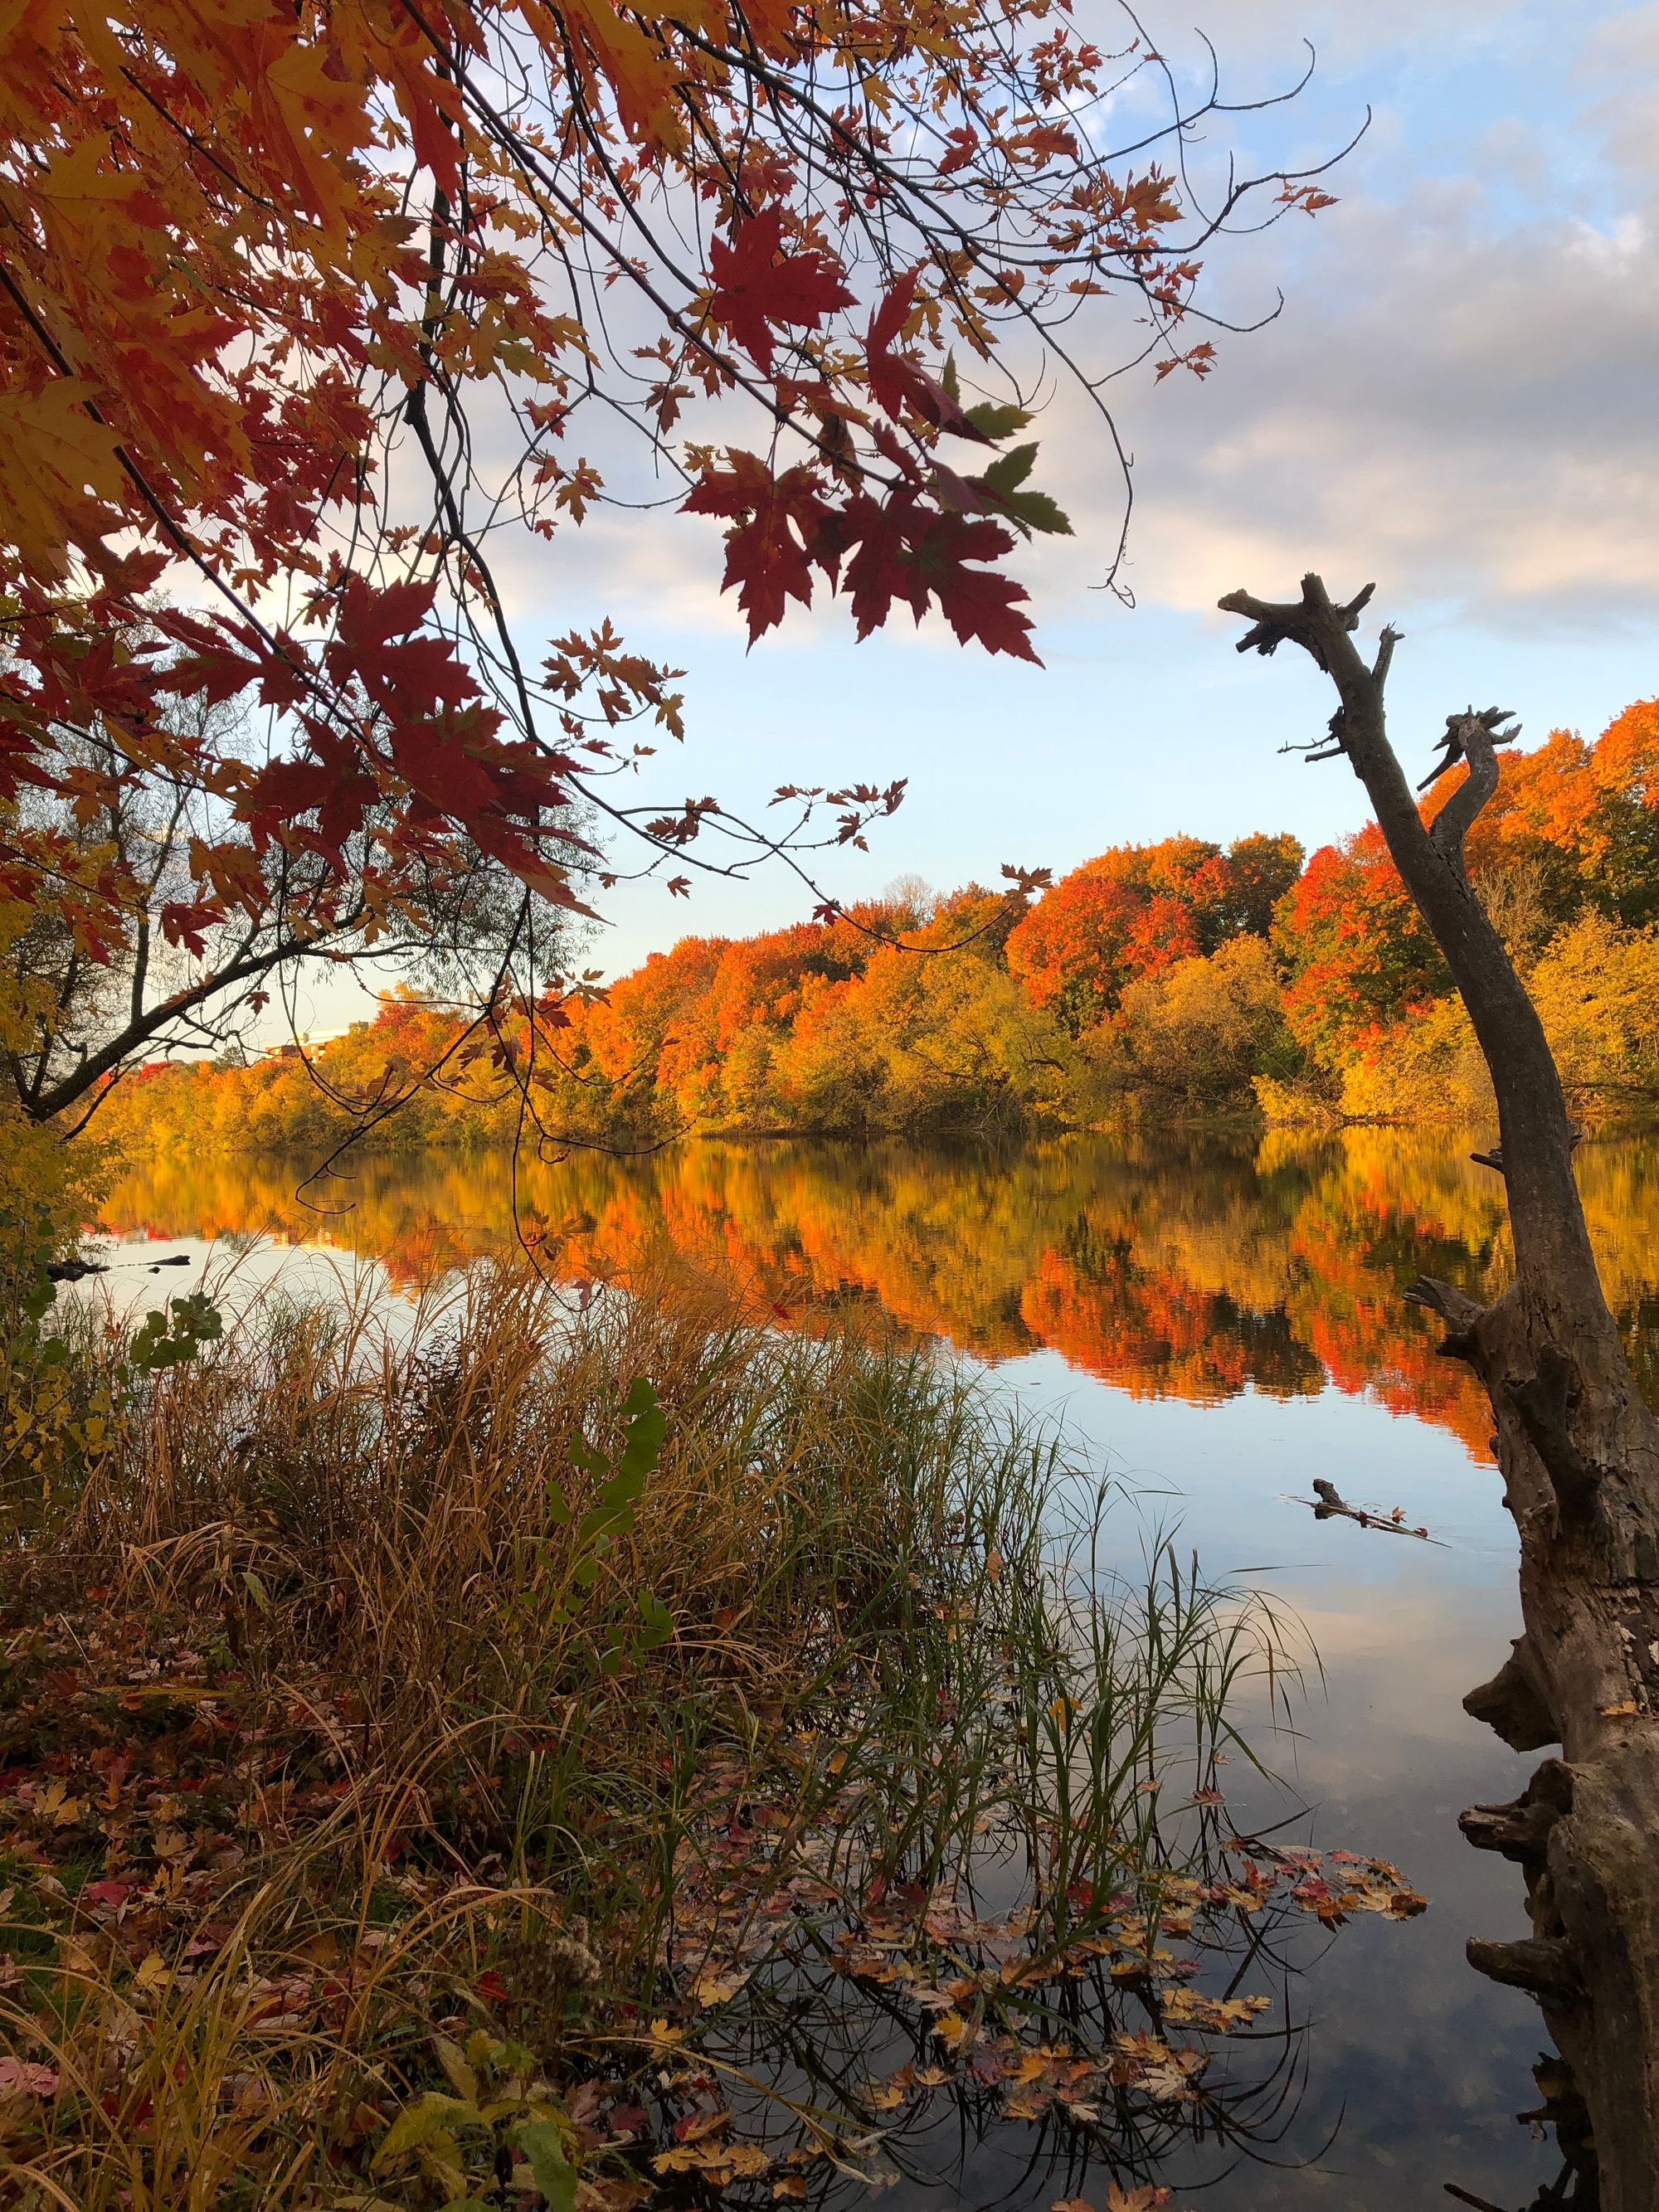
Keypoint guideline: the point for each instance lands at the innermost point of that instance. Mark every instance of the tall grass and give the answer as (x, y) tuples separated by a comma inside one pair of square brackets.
[(346, 1725)]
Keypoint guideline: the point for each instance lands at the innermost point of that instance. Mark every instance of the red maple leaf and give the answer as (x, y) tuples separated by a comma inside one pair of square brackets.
[(897, 382), (976, 602), (908, 551), (183, 924), (209, 665), (373, 643), (775, 522), (757, 284), (876, 574), (329, 778)]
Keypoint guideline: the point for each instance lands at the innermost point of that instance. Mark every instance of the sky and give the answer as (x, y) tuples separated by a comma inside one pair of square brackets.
[(1454, 401)]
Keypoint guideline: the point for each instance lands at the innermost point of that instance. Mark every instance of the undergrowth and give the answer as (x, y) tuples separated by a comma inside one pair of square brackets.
[(438, 1752)]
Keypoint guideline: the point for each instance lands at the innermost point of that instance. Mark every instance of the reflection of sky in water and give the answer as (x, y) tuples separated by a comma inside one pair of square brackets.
[(1415, 2062), (1423, 2064)]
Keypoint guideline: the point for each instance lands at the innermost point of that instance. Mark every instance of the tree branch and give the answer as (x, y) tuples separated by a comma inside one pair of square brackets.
[(1468, 737), (1553, 1246), (68, 1088), (1459, 1311), (1314, 621), (1542, 1965)]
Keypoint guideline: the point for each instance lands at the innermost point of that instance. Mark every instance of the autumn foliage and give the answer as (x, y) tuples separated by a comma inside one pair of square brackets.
[(1171, 975), (1566, 858), (1151, 979), (1140, 908), (311, 317), (899, 1014)]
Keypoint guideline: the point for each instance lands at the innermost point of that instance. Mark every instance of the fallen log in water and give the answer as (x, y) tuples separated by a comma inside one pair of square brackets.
[(1329, 1503)]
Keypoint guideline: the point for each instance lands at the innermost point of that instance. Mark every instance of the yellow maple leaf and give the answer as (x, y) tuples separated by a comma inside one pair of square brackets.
[(152, 1973), (52, 454), (719, 1987)]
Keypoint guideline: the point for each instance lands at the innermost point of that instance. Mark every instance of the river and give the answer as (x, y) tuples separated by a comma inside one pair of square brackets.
[(1217, 1319)]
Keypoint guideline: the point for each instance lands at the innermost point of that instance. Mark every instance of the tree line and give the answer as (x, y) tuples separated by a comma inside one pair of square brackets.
[(1170, 974)]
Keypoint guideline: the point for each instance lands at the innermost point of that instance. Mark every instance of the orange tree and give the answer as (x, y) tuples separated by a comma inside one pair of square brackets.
[(1358, 953), (307, 310), (1137, 909), (1570, 827)]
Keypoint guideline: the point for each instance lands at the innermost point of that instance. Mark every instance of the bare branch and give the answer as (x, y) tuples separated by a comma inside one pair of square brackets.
[(1455, 1307), (1468, 737), (1314, 621)]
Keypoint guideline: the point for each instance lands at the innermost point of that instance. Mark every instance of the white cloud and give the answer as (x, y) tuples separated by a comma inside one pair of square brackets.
[(1618, 69), (1460, 408)]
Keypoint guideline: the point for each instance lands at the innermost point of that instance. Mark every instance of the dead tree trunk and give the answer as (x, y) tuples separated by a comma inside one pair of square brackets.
[(1579, 1453)]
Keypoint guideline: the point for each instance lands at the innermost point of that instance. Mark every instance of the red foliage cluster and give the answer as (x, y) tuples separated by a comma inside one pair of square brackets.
[(263, 262), (1138, 908)]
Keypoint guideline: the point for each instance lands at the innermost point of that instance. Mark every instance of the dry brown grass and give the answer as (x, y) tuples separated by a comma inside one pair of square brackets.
[(342, 1764)]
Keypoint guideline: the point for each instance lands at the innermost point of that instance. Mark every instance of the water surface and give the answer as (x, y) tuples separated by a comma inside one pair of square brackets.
[(1219, 1319)]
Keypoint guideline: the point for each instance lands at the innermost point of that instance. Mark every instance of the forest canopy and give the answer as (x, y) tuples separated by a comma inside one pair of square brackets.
[(1176, 975)]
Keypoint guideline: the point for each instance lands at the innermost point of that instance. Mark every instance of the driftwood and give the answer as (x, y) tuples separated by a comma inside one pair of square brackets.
[(1579, 1454), (77, 1271), (1328, 1502)]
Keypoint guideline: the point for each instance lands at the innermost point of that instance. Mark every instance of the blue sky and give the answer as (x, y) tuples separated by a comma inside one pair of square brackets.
[(1457, 402)]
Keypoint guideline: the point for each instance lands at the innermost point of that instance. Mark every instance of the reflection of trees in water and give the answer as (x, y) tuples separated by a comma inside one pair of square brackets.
[(1180, 1264)]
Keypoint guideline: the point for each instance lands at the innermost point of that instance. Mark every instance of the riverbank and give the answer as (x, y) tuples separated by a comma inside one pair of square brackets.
[(420, 1740)]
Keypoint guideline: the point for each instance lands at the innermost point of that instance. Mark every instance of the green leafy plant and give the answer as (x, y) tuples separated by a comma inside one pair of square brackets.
[(55, 1408), (498, 2128), (611, 1518), (62, 1396), (167, 1336)]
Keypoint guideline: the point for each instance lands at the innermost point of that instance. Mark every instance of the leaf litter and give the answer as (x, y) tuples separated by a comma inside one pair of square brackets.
[(761, 1894)]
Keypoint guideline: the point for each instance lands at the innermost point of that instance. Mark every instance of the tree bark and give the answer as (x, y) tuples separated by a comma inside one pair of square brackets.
[(1579, 1454)]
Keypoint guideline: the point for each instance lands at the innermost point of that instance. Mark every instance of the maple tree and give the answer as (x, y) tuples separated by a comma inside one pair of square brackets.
[(1358, 953), (1571, 827), (311, 317), (1136, 909)]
